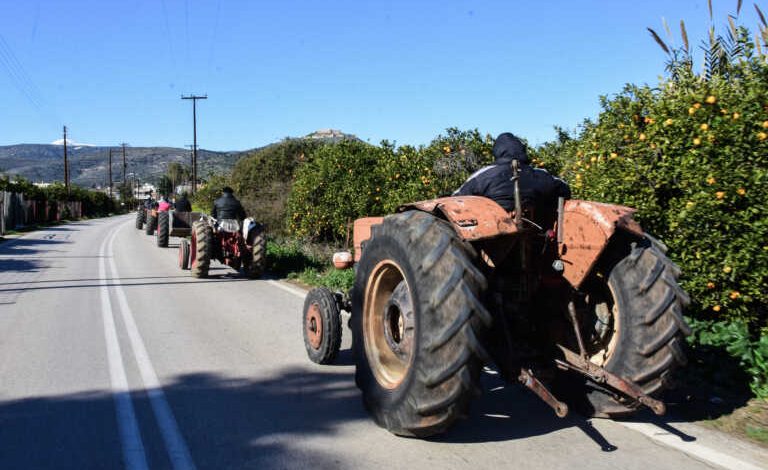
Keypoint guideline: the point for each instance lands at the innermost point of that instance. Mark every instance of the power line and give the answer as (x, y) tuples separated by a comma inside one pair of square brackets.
[(194, 99)]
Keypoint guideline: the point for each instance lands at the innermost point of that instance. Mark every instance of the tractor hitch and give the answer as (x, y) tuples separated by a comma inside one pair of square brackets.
[(533, 384), (599, 375)]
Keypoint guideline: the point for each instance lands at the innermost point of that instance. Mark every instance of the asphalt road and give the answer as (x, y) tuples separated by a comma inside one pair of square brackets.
[(111, 357)]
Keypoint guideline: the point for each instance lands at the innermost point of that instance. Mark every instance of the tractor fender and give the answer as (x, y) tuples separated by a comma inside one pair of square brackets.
[(473, 217), (248, 224), (587, 228)]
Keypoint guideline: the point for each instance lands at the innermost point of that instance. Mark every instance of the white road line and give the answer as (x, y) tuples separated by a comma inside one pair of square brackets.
[(130, 437), (293, 290), (693, 449), (178, 452)]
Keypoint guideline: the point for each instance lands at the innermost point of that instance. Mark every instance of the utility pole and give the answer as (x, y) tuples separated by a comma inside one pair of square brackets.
[(66, 163), (125, 182), (191, 158), (110, 173), (194, 99)]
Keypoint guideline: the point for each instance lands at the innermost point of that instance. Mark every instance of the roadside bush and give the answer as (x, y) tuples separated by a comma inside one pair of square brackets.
[(343, 181), (338, 183), (202, 200), (262, 180), (735, 337), (692, 156), (409, 174)]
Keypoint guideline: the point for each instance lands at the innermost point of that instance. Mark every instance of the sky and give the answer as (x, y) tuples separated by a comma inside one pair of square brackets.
[(402, 70)]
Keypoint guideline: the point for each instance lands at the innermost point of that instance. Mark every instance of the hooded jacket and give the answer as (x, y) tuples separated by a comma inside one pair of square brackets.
[(538, 189)]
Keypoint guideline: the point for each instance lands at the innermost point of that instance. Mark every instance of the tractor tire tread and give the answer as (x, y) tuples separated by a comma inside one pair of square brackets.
[(452, 326), (650, 345)]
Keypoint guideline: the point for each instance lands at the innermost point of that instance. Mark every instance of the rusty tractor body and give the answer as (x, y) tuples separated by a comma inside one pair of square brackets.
[(225, 241), (586, 313)]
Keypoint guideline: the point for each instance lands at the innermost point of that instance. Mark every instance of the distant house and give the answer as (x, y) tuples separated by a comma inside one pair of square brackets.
[(330, 134)]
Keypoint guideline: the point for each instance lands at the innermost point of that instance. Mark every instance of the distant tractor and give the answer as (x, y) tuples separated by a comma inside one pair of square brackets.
[(587, 310), (141, 218), (146, 219), (225, 241)]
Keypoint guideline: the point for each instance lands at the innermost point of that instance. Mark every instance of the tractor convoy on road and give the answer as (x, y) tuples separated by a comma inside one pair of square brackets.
[(203, 239), (586, 313)]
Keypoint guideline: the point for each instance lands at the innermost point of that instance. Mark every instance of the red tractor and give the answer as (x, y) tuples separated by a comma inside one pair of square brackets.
[(586, 313), (225, 241)]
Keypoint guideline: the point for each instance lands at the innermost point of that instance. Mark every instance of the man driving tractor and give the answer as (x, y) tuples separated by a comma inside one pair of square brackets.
[(538, 189), (227, 209)]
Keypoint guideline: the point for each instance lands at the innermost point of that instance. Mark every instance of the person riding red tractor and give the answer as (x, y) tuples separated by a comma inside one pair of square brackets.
[(228, 236)]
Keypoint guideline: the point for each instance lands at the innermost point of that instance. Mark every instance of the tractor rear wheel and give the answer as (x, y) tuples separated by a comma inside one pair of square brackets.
[(140, 219), (163, 226), (200, 248), (149, 227), (418, 324), (639, 327), (184, 254), (258, 262), (322, 326)]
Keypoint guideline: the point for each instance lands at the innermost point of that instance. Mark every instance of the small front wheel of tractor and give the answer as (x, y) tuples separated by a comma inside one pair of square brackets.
[(641, 306), (163, 227), (200, 248), (418, 324), (322, 326), (184, 254), (258, 262), (149, 227), (139, 219)]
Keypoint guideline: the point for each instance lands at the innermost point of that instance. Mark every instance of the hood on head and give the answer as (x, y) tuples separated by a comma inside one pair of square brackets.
[(508, 147)]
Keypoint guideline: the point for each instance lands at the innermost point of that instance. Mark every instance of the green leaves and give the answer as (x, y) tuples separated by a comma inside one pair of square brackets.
[(692, 156), (340, 182), (734, 336)]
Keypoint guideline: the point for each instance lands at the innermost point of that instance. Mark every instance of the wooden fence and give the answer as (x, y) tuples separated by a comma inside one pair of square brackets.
[(17, 212)]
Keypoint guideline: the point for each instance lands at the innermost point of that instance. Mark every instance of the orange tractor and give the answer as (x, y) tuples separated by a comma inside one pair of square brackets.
[(586, 313)]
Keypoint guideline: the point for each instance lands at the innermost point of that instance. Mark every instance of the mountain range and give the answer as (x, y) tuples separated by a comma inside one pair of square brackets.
[(89, 164)]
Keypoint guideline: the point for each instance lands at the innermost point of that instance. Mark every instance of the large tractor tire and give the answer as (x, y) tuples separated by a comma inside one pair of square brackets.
[(322, 326), (150, 225), (418, 324), (256, 266), (163, 228), (643, 304), (140, 219), (184, 254), (200, 249)]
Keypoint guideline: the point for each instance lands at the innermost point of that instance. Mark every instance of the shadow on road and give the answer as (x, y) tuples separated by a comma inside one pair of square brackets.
[(18, 256), (227, 423), (19, 266), (240, 423)]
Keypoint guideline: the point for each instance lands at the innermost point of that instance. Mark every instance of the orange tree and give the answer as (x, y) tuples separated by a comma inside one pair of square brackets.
[(692, 156), (342, 181), (336, 184)]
